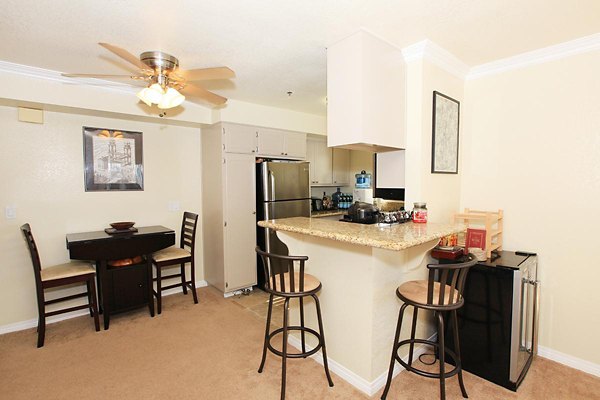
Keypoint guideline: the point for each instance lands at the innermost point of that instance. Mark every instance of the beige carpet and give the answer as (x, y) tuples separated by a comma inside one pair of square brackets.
[(211, 351)]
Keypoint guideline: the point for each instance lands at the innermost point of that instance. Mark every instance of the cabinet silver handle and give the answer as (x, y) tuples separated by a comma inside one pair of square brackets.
[(253, 151)]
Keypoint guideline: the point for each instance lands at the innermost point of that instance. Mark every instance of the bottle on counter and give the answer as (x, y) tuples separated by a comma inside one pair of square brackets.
[(420, 213), (336, 198)]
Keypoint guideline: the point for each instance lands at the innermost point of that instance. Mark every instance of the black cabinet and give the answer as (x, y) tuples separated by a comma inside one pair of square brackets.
[(127, 287)]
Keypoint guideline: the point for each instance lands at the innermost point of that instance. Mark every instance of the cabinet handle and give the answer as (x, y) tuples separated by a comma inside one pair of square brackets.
[(254, 151), (253, 212), (140, 285)]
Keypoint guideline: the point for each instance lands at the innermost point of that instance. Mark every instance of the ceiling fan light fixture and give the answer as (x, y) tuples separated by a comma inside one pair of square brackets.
[(172, 98), (142, 95)]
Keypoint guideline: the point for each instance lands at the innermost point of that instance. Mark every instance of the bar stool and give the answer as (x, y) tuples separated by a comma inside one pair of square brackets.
[(282, 280), (431, 295)]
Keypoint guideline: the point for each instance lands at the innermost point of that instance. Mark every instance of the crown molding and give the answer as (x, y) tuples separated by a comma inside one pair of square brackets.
[(428, 50), (56, 76), (578, 46)]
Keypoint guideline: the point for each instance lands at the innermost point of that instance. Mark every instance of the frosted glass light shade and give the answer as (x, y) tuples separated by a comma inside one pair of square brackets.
[(164, 99), (172, 98)]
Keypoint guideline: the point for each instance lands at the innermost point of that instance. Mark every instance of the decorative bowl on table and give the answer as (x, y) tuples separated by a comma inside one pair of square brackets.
[(121, 226)]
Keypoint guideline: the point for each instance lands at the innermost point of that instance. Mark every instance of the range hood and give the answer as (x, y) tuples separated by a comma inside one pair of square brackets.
[(366, 90)]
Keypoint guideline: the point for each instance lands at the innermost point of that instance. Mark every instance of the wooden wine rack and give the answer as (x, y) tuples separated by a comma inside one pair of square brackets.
[(491, 221)]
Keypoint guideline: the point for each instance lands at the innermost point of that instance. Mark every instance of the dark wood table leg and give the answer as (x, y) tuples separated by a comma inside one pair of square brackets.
[(150, 284), (99, 286), (103, 286)]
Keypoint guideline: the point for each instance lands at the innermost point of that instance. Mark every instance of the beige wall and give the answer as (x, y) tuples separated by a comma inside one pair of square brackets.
[(441, 192), (531, 146), (42, 175)]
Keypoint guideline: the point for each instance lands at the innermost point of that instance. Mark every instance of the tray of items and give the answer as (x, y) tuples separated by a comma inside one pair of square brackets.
[(447, 248)]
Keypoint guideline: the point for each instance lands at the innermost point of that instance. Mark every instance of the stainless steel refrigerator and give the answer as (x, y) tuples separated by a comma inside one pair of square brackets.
[(283, 190)]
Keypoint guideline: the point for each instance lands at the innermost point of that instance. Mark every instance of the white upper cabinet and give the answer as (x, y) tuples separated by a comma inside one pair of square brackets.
[(320, 158), (239, 139), (285, 144), (295, 145), (270, 142), (328, 167), (341, 167), (366, 90)]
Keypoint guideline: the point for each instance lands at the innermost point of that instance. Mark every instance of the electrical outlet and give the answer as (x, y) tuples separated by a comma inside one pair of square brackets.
[(10, 212), (174, 205)]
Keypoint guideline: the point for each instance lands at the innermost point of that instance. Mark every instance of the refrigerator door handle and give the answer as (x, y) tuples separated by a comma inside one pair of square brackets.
[(271, 192)]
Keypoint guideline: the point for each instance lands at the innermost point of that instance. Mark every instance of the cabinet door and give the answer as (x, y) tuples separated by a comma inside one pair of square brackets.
[(341, 166), (322, 163), (271, 142), (240, 221), (239, 139), (295, 145), (128, 287)]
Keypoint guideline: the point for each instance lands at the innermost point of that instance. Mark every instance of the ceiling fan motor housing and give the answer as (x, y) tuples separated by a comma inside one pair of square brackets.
[(159, 61)]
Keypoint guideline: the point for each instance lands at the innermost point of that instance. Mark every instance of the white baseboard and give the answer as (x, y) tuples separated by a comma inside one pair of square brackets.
[(569, 361), (32, 323), (369, 388)]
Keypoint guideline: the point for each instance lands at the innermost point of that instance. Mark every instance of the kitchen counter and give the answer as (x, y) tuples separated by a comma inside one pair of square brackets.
[(327, 213), (390, 237), (360, 267)]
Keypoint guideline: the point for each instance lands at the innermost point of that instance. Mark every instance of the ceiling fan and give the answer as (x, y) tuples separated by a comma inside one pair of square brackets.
[(165, 80)]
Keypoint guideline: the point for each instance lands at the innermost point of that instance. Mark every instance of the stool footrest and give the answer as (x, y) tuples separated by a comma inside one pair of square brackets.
[(427, 374), (295, 355)]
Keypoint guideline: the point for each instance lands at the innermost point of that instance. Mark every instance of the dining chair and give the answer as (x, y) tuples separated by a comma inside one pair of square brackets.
[(173, 256), (60, 275)]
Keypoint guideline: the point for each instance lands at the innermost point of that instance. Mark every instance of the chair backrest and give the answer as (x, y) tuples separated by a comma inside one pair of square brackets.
[(454, 276), (188, 231), (33, 252), (277, 267)]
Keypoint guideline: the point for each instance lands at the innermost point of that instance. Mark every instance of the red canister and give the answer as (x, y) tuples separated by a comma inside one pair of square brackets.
[(420, 213)]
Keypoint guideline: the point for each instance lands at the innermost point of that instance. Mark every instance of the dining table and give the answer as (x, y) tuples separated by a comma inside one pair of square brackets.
[(121, 288)]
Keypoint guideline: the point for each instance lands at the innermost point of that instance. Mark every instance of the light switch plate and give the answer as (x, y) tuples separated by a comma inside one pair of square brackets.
[(10, 212)]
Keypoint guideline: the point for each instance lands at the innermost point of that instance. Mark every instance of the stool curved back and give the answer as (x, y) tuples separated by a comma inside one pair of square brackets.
[(282, 278), (448, 296)]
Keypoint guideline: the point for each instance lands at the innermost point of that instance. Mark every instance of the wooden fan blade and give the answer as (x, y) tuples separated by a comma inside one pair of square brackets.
[(125, 55), (191, 90), (104, 76), (202, 74)]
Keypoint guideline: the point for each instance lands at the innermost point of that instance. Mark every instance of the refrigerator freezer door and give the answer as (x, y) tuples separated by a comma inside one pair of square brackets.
[(285, 209), (285, 181)]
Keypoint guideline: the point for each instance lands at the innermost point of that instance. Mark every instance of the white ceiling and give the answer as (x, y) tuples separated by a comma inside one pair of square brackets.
[(277, 45)]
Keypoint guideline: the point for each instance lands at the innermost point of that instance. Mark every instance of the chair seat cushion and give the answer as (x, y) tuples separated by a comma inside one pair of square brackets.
[(67, 270), (310, 282), (170, 253), (416, 291)]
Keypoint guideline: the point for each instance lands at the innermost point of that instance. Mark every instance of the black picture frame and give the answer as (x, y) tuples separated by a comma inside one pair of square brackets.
[(445, 131), (113, 159)]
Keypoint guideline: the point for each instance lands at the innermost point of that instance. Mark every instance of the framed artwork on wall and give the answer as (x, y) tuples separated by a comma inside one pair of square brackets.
[(112, 159), (444, 144)]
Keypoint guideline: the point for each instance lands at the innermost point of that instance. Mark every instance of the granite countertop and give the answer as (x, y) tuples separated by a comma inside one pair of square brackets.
[(390, 237), (326, 213)]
